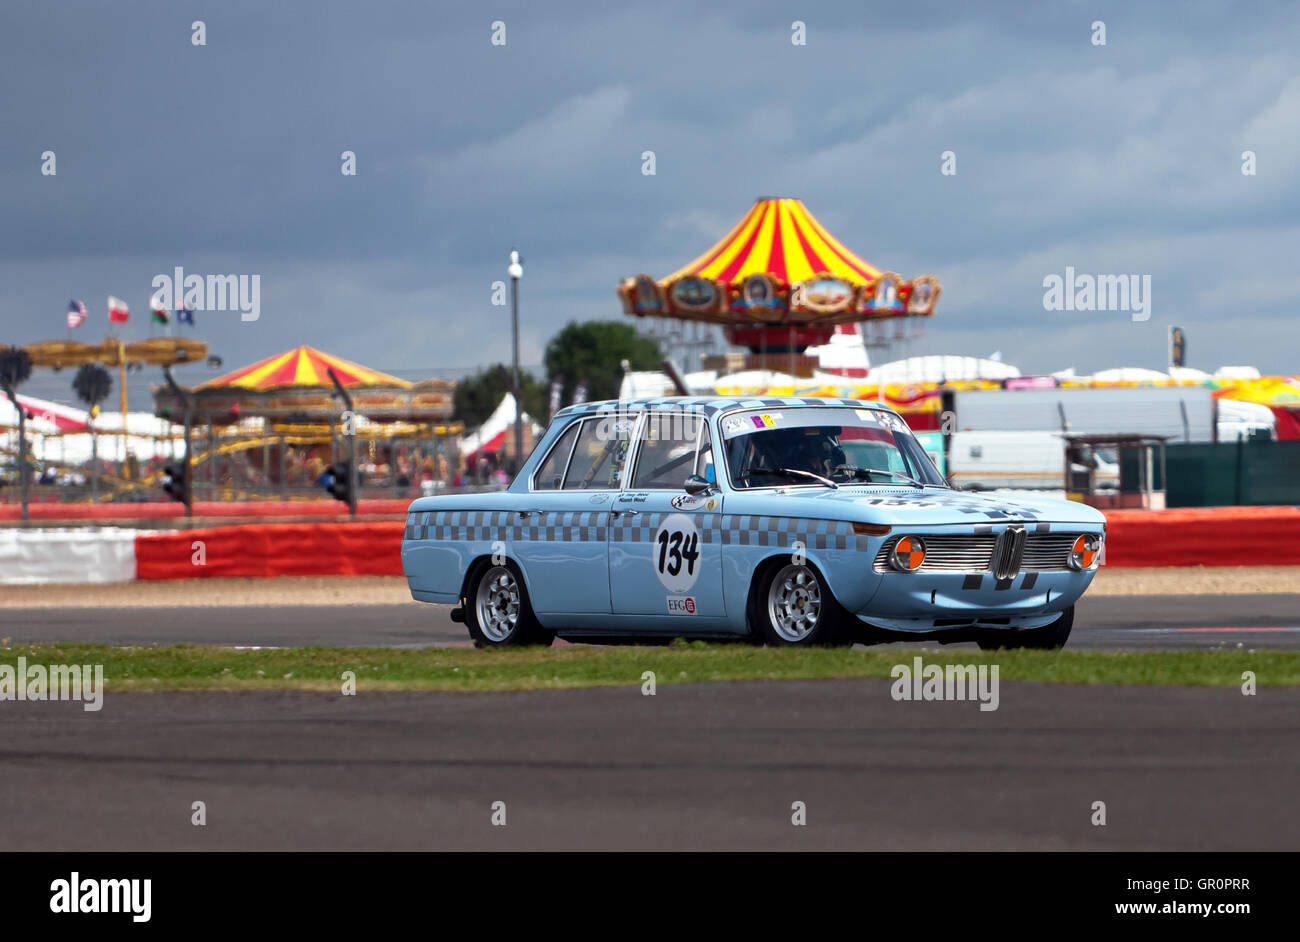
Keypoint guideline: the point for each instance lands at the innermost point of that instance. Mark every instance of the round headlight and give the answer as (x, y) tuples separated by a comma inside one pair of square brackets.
[(908, 554), (1084, 553)]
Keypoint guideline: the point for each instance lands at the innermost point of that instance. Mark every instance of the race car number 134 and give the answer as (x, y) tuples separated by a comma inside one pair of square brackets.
[(677, 553)]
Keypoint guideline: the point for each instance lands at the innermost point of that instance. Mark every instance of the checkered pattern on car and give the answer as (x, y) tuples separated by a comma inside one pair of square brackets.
[(487, 526)]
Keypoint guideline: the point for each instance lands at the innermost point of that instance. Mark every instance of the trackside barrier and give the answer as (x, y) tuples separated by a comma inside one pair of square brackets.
[(265, 550), (37, 557), (1204, 536), (1221, 536)]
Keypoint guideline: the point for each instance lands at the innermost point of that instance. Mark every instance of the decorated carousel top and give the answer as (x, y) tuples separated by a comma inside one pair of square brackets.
[(295, 386), (302, 366), (779, 265)]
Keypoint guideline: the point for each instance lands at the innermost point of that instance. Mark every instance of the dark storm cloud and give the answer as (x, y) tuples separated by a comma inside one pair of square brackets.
[(225, 158)]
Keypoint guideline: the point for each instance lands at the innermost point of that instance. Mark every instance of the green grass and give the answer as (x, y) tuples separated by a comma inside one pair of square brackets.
[(196, 667)]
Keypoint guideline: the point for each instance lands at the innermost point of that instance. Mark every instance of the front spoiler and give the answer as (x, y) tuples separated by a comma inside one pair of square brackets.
[(961, 624)]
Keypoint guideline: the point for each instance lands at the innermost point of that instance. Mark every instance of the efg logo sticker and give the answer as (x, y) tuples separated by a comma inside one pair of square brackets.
[(687, 502), (598, 498), (681, 605)]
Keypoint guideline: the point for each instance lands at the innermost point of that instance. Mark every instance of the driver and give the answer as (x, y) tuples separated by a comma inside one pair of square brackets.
[(800, 449)]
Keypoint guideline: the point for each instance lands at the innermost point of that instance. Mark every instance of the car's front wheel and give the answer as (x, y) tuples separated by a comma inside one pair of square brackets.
[(498, 613), (1050, 637), (793, 607)]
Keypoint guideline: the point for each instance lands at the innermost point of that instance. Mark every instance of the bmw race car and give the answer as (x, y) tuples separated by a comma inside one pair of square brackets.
[(793, 521)]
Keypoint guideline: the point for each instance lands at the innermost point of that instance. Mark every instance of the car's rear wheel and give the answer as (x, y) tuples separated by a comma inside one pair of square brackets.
[(1050, 637), (793, 607), (498, 613)]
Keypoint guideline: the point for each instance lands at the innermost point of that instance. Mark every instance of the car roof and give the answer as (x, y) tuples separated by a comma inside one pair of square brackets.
[(712, 404)]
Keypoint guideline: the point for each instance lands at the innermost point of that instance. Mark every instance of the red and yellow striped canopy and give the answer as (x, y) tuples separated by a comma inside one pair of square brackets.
[(305, 367), (778, 237)]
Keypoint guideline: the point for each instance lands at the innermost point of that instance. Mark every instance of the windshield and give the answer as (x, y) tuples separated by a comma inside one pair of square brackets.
[(823, 446)]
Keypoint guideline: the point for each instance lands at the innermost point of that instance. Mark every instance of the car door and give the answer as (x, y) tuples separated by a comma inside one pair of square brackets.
[(664, 544), (560, 532)]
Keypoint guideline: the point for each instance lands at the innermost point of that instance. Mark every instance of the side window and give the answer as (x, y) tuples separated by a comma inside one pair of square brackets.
[(551, 473), (599, 454), (704, 462), (668, 451)]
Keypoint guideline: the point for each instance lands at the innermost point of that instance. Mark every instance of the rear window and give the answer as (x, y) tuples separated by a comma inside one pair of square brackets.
[(550, 475)]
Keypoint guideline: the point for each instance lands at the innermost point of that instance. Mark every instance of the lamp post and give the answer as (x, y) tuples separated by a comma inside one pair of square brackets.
[(516, 271)]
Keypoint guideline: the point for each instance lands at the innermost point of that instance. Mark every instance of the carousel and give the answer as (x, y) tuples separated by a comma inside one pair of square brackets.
[(73, 446), (779, 284), (270, 428)]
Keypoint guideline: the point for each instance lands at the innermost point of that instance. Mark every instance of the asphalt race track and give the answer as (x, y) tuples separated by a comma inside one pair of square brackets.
[(704, 766), (1107, 622), (699, 766)]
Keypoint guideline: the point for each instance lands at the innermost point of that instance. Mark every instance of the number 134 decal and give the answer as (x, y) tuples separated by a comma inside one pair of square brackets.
[(676, 548), (676, 552)]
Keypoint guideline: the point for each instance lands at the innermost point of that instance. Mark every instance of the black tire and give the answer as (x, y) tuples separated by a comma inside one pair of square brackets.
[(792, 606), (498, 613), (1050, 637)]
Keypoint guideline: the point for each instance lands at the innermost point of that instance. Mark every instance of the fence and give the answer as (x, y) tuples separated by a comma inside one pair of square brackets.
[(1258, 473)]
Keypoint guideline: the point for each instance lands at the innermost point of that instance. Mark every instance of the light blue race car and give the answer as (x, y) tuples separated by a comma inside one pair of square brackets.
[(791, 521)]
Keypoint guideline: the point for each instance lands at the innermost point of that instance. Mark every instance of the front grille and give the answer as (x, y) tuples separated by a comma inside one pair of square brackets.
[(1048, 552), (946, 553), (1007, 553), (1042, 552)]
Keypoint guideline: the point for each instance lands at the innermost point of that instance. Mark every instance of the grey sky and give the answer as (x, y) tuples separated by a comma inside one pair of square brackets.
[(225, 159)]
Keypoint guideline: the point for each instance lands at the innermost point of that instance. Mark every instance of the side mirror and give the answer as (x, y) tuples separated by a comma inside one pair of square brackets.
[(696, 485)]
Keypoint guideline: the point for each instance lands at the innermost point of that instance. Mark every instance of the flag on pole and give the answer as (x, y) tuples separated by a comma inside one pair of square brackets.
[(118, 312), (183, 313), (76, 314), (158, 311)]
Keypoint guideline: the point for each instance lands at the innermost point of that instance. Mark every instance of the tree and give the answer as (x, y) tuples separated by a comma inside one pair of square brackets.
[(591, 353), (15, 368), (477, 396), (92, 384)]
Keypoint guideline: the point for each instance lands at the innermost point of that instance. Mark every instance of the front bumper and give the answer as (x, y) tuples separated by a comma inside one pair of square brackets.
[(931, 601)]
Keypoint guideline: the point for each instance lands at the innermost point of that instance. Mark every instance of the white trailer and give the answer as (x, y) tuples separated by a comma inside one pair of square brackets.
[(1019, 461), (1181, 413)]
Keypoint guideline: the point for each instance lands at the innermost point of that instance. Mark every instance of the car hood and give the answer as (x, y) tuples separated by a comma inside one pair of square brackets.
[(933, 505)]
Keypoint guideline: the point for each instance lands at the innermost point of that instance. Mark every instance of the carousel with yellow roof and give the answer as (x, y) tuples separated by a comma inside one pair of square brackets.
[(779, 283), (273, 426)]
